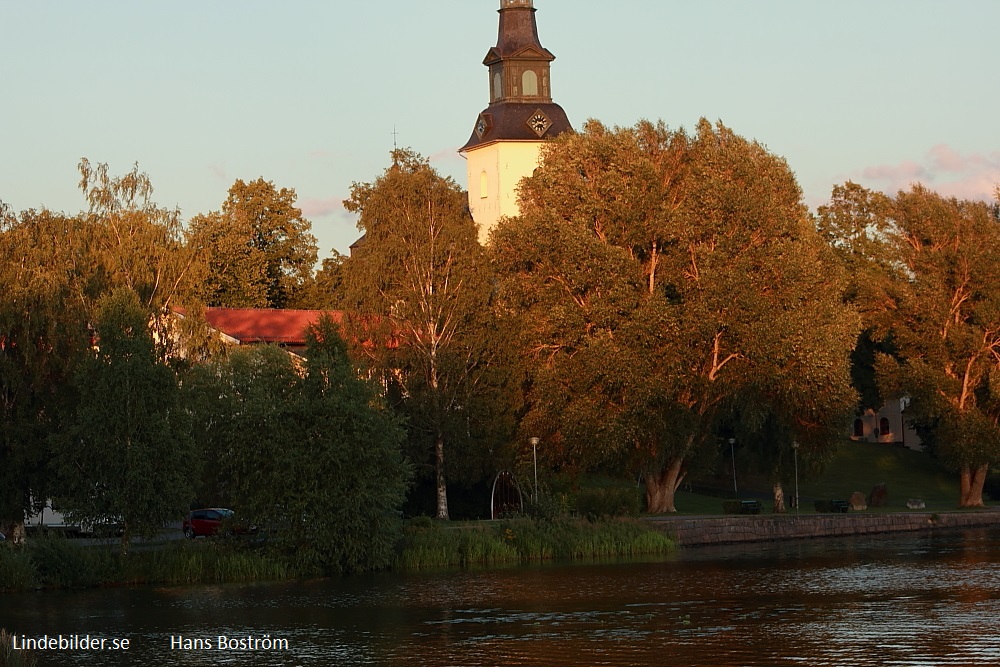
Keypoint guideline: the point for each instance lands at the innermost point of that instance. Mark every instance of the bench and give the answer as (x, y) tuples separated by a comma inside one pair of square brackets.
[(841, 506), (742, 507)]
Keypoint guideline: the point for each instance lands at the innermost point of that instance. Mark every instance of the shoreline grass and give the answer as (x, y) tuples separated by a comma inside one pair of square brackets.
[(50, 563), (521, 541), (60, 563), (9, 657)]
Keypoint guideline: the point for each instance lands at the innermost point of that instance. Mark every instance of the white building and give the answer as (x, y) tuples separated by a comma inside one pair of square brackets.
[(887, 425)]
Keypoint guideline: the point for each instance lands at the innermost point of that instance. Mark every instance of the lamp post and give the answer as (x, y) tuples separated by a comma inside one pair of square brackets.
[(534, 455), (795, 455), (732, 455)]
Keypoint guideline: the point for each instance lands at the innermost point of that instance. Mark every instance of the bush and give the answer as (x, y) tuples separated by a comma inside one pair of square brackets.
[(16, 570), (548, 507), (62, 563), (594, 504)]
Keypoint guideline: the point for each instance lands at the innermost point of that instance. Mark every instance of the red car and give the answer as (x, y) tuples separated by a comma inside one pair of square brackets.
[(205, 521)]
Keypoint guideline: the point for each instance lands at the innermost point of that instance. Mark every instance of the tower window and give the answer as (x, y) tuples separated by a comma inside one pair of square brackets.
[(529, 82), (497, 86), (484, 185)]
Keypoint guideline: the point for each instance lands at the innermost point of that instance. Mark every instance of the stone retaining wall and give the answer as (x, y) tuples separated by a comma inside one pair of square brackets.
[(702, 531)]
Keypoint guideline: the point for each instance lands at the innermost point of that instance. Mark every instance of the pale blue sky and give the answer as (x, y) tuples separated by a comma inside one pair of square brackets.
[(307, 93)]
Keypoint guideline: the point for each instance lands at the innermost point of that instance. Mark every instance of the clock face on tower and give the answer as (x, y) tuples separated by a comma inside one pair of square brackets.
[(539, 123), (483, 125)]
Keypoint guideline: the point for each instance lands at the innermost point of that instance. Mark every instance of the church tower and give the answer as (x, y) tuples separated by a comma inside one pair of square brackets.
[(508, 134)]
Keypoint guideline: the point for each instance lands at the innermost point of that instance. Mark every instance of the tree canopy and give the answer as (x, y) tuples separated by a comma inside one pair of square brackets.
[(260, 251), (125, 456), (660, 277), (313, 458), (421, 277), (929, 266), (55, 268)]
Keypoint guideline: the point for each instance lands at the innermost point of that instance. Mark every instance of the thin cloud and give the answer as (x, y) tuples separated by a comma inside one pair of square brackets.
[(445, 155), (943, 169), (219, 169), (319, 208), (904, 172)]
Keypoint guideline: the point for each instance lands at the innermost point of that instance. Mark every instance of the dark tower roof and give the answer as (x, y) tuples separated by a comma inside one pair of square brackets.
[(518, 33), (521, 106)]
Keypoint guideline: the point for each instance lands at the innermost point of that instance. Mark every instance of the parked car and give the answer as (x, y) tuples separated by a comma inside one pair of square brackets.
[(205, 522)]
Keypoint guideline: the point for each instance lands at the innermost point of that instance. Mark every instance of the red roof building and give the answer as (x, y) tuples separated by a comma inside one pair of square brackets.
[(286, 328)]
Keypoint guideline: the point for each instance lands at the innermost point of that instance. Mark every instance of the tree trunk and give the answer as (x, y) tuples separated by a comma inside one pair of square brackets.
[(14, 531), (442, 485), (661, 487), (779, 499), (971, 485), (126, 538)]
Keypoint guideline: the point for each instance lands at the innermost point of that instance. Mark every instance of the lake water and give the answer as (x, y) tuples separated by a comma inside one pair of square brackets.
[(913, 600)]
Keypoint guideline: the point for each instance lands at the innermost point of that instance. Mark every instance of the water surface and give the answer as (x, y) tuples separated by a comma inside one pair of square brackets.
[(913, 600)]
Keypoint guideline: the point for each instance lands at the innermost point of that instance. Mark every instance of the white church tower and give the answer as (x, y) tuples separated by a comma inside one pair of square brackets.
[(508, 134)]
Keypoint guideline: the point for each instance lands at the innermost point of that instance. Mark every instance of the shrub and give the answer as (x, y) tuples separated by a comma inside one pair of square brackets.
[(599, 503), (16, 570), (62, 563)]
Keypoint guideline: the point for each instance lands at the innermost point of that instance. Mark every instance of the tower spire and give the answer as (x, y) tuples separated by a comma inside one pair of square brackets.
[(507, 136)]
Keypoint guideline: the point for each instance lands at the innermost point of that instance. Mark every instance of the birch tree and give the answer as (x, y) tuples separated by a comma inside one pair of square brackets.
[(419, 286)]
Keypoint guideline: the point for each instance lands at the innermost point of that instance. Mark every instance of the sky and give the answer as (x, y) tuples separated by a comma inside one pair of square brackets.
[(312, 94)]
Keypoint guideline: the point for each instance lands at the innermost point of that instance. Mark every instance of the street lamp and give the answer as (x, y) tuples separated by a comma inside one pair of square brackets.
[(534, 455), (795, 455), (732, 455)]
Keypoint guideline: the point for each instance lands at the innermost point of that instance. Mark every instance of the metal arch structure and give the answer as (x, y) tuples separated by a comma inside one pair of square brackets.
[(506, 497)]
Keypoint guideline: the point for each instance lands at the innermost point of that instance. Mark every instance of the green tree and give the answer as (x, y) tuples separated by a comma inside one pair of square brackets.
[(44, 315), (421, 281), (126, 455), (324, 290), (940, 308), (54, 269), (139, 244), (313, 459), (260, 251), (661, 279)]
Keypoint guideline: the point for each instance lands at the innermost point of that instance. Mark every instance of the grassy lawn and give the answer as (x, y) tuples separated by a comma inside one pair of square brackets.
[(907, 474), (856, 467)]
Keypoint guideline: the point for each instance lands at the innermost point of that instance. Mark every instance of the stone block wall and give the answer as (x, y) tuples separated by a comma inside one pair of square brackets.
[(702, 531)]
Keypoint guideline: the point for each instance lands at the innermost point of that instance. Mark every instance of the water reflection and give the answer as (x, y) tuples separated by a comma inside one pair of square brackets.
[(910, 601)]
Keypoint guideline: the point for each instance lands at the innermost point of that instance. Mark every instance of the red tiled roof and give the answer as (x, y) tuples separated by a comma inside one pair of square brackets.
[(261, 325)]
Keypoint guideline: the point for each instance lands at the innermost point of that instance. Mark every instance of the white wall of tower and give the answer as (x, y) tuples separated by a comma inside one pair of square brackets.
[(504, 164)]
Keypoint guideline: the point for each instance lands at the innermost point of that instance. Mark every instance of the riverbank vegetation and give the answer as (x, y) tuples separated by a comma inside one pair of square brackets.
[(57, 562), (427, 544)]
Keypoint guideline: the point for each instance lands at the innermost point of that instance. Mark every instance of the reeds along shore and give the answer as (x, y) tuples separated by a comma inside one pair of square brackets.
[(54, 562), (430, 545), (11, 657)]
